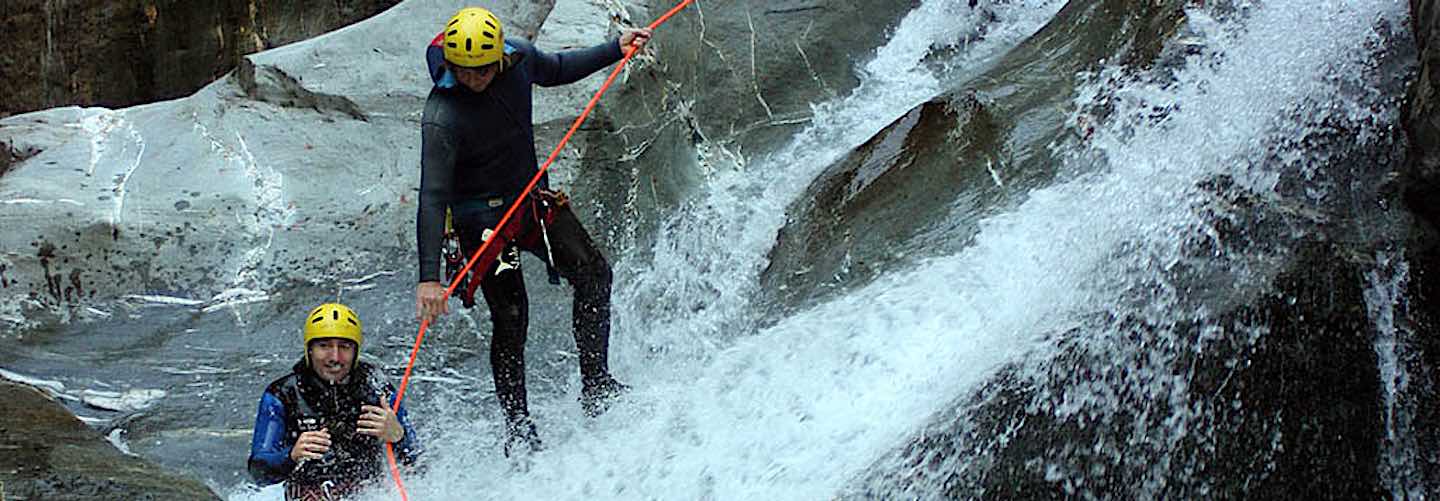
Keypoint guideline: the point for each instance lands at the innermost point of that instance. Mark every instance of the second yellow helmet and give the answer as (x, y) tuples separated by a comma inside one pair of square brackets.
[(333, 320), (474, 37)]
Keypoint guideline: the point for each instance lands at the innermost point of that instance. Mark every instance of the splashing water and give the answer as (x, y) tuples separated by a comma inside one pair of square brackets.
[(797, 410)]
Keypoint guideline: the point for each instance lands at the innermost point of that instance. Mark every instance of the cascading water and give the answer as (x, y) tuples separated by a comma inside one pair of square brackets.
[(1141, 255), (698, 428), (708, 258), (801, 409), (1384, 295)]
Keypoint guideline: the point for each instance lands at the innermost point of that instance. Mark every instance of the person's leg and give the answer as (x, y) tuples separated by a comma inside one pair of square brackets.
[(509, 319), (581, 263)]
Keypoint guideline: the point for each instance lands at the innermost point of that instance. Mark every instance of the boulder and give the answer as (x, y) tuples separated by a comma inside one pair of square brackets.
[(956, 159), (52, 455)]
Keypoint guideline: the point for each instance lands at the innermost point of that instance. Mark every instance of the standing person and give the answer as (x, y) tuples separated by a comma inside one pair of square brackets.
[(322, 428), (477, 156)]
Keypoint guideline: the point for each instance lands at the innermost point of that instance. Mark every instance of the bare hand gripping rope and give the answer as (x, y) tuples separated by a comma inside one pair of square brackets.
[(514, 207)]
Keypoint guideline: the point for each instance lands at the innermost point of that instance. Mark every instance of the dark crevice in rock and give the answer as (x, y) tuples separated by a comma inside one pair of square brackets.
[(9, 157), (272, 85)]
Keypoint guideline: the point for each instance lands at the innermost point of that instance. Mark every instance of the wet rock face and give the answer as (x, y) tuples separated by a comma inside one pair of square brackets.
[(1285, 417), (121, 53), (757, 64), (1422, 197), (863, 214), (1272, 392), (240, 188), (1264, 387), (729, 81), (1422, 116), (953, 155), (49, 454)]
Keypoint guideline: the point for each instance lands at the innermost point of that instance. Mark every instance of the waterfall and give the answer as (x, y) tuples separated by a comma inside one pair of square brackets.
[(1399, 466), (1053, 288)]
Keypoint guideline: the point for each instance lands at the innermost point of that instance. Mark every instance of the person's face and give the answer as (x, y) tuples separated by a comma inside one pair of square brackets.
[(476, 79), (332, 358)]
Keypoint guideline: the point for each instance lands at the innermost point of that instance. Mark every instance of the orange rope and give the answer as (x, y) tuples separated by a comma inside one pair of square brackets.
[(534, 181)]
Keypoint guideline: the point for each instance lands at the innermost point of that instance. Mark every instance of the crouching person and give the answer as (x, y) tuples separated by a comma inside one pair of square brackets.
[(322, 429)]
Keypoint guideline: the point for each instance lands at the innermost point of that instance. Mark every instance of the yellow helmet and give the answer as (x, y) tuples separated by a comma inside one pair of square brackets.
[(474, 38), (332, 320)]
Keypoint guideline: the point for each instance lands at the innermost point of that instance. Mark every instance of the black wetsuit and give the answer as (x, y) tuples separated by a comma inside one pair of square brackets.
[(478, 153)]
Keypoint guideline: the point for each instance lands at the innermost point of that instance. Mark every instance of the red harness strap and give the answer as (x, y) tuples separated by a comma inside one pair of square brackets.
[(539, 214)]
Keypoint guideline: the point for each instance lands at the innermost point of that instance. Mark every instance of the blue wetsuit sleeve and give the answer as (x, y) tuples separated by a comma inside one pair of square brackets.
[(269, 446), (409, 447), (561, 68)]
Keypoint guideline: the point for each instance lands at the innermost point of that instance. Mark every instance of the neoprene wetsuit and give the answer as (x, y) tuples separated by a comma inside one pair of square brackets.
[(478, 153)]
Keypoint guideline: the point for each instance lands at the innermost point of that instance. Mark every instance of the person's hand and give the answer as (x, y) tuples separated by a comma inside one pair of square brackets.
[(430, 301), (380, 422), (310, 445), (634, 37)]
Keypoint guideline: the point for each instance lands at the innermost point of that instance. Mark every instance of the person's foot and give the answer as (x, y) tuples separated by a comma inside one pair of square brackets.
[(599, 393), (521, 439)]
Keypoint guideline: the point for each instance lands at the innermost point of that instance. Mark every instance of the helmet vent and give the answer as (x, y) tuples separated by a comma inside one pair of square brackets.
[(335, 314), (487, 47), (453, 32), (351, 320), (317, 319), (489, 34), (467, 45), (452, 45), (453, 21)]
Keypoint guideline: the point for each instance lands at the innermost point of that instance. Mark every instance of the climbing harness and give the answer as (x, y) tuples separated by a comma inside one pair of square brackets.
[(487, 245), (541, 208)]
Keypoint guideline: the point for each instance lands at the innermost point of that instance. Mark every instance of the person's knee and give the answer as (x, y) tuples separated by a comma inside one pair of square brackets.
[(594, 273), (508, 323), (506, 315)]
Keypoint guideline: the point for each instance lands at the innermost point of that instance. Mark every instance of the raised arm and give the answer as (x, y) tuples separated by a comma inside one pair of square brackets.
[(560, 68)]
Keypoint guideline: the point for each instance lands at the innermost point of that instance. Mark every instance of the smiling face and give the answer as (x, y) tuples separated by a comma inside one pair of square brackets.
[(332, 358), (475, 79)]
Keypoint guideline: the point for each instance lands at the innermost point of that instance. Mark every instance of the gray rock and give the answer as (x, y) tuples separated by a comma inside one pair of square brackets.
[(49, 454), (300, 167), (721, 83), (870, 211)]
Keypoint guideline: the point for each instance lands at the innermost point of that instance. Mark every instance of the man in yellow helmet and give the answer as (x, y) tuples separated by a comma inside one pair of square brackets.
[(478, 154), (322, 428)]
